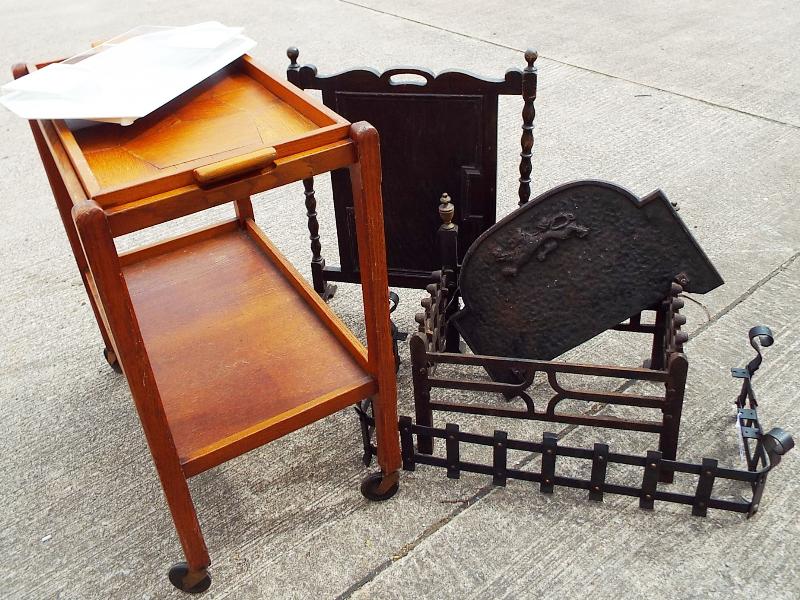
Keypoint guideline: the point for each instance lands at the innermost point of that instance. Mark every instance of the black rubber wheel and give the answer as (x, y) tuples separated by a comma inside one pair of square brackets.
[(369, 488), (111, 359), (176, 577)]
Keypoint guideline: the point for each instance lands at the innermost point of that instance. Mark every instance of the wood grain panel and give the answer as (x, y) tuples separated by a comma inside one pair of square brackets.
[(230, 342), (232, 112)]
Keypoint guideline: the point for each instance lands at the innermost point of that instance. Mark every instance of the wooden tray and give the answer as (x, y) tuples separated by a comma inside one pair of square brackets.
[(240, 111), (223, 301)]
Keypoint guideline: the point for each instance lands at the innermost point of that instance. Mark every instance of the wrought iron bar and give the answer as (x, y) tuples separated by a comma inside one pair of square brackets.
[(763, 451), (652, 464)]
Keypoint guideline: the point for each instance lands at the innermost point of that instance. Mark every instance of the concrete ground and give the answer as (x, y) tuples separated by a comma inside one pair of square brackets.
[(699, 99)]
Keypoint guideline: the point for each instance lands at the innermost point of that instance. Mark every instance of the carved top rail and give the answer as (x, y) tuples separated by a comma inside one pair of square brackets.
[(367, 79)]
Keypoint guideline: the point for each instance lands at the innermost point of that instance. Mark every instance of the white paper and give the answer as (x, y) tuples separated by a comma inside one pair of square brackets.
[(129, 76)]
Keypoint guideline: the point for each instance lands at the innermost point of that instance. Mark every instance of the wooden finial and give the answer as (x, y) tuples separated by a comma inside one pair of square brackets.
[(19, 70), (446, 211), (528, 114), (293, 53), (530, 56)]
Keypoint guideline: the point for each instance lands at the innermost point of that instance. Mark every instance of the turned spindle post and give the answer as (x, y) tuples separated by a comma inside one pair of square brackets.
[(322, 287), (447, 237), (528, 114)]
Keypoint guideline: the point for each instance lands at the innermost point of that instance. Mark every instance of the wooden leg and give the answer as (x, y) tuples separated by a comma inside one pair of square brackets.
[(528, 114), (322, 287), (244, 211), (184, 516), (422, 392), (101, 256), (365, 176), (677, 367), (64, 204)]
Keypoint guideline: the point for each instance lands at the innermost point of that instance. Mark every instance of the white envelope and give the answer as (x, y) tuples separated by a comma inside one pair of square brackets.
[(127, 77)]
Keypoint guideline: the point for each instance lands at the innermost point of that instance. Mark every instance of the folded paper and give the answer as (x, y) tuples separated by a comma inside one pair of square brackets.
[(127, 77)]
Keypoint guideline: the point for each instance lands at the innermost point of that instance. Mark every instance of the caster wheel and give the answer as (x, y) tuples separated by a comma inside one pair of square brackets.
[(184, 580), (111, 359), (371, 488)]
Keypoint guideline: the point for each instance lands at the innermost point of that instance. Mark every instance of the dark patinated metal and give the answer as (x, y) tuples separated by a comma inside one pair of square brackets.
[(571, 264), (437, 341), (438, 133), (763, 452), (604, 384)]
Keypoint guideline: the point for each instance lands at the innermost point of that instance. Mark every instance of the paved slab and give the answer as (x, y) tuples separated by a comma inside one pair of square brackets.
[(735, 56), (83, 515)]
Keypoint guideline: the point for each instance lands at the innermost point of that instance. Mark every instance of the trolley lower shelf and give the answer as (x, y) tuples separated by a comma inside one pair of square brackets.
[(241, 348)]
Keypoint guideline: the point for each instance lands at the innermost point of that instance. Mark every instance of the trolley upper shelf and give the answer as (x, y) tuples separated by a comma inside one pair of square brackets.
[(240, 111)]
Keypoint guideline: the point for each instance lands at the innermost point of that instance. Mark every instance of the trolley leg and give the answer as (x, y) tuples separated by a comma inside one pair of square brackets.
[(244, 211), (64, 204), (365, 176), (98, 246), (191, 576)]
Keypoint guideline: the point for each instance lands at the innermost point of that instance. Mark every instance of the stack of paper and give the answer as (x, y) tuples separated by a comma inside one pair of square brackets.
[(127, 77)]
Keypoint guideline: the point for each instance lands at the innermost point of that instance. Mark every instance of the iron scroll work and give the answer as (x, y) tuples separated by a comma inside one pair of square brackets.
[(762, 451)]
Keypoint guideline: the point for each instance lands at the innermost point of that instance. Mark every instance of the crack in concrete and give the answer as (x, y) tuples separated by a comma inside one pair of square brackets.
[(569, 64), (408, 548), (750, 291)]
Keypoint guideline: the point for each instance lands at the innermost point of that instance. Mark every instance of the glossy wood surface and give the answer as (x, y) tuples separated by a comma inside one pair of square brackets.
[(112, 293), (238, 111), (188, 199), (233, 347), (368, 208), (234, 167)]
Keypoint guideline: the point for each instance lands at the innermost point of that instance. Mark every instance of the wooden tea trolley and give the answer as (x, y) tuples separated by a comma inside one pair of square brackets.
[(224, 345)]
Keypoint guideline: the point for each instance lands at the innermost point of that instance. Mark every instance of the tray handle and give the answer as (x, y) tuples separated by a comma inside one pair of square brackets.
[(231, 167)]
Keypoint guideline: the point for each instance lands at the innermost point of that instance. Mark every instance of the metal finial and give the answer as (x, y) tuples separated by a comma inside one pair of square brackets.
[(530, 56), (293, 53), (446, 211)]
